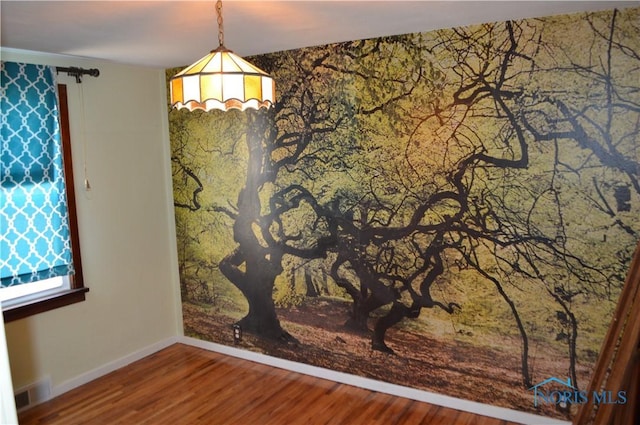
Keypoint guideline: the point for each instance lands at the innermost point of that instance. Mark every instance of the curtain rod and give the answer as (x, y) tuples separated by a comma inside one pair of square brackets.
[(78, 72)]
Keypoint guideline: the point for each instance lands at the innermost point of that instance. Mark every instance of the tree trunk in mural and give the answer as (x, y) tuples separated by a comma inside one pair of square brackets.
[(256, 284), (253, 267), (395, 315), (262, 236), (524, 356), (312, 291)]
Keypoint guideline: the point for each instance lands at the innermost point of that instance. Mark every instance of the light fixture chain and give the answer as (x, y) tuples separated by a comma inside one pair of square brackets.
[(220, 25)]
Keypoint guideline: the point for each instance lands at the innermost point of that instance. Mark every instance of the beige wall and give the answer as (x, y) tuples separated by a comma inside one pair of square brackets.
[(125, 224)]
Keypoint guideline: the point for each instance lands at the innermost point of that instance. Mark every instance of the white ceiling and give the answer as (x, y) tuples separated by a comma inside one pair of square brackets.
[(167, 34)]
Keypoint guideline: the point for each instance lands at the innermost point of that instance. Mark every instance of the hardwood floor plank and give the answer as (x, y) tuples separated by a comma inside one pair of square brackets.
[(315, 394), (441, 416), (187, 385), (393, 410)]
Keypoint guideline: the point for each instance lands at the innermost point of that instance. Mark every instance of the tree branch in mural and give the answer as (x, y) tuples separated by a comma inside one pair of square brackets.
[(542, 115), (413, 170)]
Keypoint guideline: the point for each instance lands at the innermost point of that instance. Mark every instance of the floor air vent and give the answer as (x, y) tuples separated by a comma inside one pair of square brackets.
[(22, 400), (33, 394)]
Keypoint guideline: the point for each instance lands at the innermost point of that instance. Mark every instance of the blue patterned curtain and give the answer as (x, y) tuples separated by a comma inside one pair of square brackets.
[(34, 239)]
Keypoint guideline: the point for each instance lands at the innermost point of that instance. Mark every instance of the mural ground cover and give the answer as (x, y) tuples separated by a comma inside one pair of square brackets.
[(452, 211), (429, 363)]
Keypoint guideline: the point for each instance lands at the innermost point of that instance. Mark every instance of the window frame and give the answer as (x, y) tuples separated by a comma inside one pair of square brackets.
[(76, 291)]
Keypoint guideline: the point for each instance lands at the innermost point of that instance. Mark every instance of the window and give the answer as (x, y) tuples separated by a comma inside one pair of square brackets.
[(40, 267)]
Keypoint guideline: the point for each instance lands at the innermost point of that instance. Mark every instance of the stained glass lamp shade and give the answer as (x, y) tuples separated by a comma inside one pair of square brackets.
[(222, 80)]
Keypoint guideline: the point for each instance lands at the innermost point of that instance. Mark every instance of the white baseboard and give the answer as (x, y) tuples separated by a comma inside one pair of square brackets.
[(379, 386), (111, 366)]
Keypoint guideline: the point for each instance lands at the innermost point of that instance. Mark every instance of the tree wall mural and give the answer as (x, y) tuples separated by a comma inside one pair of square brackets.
[(451, 211)]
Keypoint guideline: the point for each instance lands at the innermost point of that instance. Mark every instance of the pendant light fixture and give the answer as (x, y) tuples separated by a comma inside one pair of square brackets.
[(222, 80)]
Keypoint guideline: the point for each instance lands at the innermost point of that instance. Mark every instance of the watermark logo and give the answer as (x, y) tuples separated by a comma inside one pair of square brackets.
[(562, 393)]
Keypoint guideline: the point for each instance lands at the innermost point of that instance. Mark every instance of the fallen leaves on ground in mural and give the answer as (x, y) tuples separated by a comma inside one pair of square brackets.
[(450, 366)]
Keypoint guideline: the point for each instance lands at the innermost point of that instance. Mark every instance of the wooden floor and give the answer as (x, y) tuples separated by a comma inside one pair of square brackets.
[(187, 385)]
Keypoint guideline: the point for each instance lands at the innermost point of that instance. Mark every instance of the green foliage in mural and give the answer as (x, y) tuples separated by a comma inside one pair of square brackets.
[(487, 176)]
